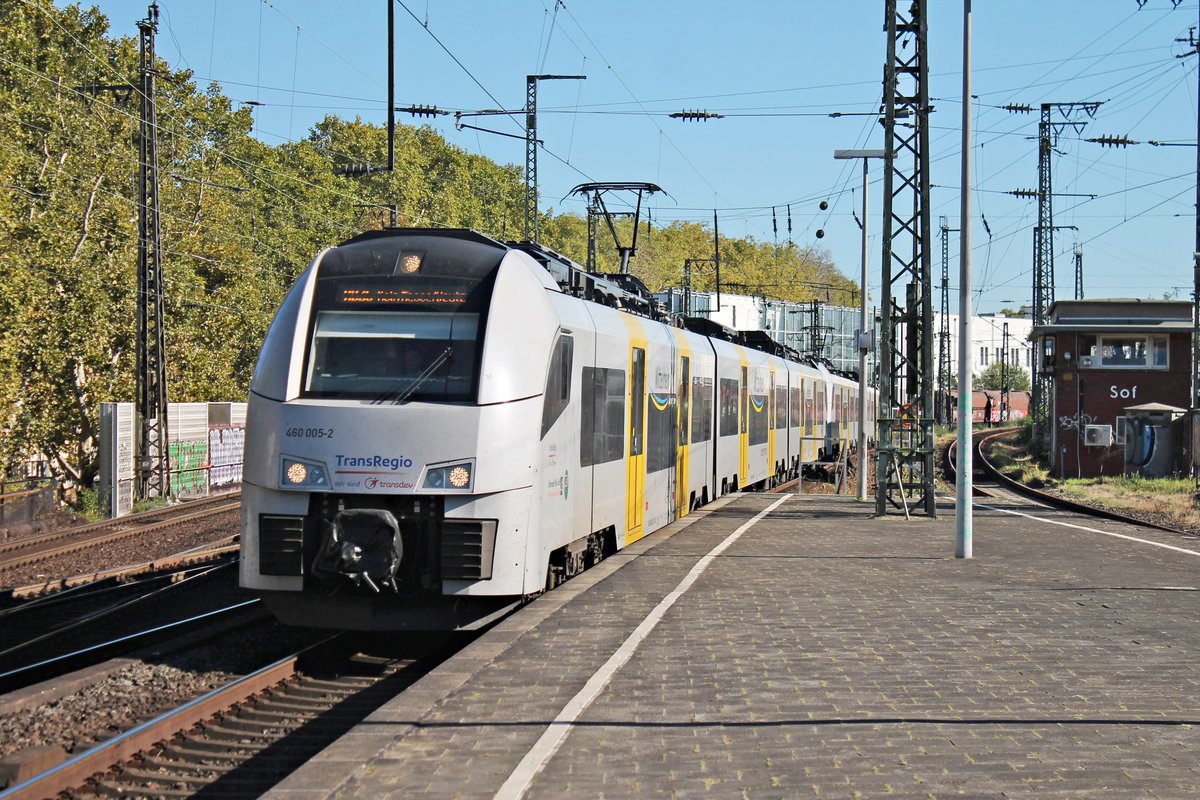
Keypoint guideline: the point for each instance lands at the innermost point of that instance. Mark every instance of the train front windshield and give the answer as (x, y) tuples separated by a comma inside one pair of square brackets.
[(400, 318), (394, 353)]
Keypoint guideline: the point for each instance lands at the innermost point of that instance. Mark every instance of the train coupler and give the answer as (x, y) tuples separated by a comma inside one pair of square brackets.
[(362, 546)]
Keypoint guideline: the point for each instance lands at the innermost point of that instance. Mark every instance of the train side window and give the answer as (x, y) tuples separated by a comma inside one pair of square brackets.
[(781, 407), (685, 406), (637, 399), (795, 409), (745, 402), (702, 409), (613, 429), (558, 382), (602, 432), (661, 421), (729, 407), (809, 408)]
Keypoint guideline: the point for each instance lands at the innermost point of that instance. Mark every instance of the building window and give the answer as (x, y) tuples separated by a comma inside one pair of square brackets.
[(983, 354), (1124, 352)]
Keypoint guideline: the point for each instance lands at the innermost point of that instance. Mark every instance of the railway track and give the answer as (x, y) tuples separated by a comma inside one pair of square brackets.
[(178, 562), (33, 549), (44, 638), (242, 738), (987, 481)]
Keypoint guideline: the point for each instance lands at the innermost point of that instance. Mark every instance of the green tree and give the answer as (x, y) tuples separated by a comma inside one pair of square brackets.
[(992, 378), (240, 220)]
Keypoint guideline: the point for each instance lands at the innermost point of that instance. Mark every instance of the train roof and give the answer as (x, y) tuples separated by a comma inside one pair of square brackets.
[(616, 290)]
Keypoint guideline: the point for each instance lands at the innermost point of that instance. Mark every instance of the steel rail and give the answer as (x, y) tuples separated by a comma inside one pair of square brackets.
[(26, 558), (1046, 498), (77, 770), (28, 669), (129, 519), (92, 616), (179, 561)]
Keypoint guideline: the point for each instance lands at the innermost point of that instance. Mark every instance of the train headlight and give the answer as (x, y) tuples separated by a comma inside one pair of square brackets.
[(299, 474), (410, 262), (451, 477)]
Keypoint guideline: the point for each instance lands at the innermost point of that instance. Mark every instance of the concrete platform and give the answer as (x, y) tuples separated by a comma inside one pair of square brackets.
[(823, 653)]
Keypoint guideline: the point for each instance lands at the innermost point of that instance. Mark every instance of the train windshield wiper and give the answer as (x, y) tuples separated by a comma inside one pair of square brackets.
[(417, 382)]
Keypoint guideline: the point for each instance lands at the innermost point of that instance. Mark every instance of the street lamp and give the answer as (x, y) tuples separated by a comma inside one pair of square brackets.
[(864, 343)]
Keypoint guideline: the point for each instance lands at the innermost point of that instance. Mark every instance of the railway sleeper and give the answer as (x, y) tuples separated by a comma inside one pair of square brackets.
[(283, 719), (162, 765), (170, 775), (330, 716), (134, 792), (322, 693), (261, 740), (299, 705), (209, 746)]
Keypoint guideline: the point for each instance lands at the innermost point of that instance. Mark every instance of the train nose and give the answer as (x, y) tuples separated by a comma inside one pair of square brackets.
[(362, 546)]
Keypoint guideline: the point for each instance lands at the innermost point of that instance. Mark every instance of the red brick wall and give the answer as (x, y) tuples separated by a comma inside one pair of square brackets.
[(1093, 390)]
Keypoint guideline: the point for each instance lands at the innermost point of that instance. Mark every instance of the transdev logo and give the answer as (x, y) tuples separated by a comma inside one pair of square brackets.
[(370, 463), (384, 483)]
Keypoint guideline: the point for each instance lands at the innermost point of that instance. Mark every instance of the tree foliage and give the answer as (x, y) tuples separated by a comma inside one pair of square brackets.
[(240, 220), (992, 378)]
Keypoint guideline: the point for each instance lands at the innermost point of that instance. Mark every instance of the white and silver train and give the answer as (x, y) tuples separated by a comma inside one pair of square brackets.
[(442, 425)]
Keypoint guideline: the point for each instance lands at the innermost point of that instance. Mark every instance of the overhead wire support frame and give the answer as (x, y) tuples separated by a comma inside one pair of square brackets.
[(532, 230), (904, 467), (153, 477)]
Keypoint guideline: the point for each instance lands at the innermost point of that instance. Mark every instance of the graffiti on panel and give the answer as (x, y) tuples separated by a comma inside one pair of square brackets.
[(1076, 422), (225, 444), (189, 462)]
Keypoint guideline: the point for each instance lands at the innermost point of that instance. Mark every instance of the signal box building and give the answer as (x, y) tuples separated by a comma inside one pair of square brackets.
[(1104, 357)]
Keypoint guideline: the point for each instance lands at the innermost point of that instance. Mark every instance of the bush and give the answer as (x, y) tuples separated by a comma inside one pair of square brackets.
[(87, 505)]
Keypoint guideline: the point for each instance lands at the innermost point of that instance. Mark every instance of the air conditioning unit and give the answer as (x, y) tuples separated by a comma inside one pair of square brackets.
[(1098, 435), (1085, 362)]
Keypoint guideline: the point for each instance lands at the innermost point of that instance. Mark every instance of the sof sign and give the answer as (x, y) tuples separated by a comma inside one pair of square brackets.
[(1123, 392)]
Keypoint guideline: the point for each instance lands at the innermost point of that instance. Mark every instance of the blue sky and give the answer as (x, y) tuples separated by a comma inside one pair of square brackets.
[(776, 70)]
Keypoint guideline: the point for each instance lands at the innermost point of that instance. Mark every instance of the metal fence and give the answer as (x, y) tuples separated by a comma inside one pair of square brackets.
[(25, 499)]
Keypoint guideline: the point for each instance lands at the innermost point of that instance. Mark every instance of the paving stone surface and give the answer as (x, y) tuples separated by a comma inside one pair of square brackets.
[(829, 654)]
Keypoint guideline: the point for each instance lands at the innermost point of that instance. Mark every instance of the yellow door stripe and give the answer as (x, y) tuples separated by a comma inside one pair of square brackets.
[(682, 465), (635, 465)]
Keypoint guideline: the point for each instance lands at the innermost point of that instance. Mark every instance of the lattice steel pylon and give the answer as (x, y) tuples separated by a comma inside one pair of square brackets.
[(153, 467), (943, 413), (1043, 246), (905, 458), (532, 225)]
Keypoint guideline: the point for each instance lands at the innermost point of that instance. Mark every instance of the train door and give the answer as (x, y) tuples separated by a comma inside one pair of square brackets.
[(772, 421), (635, 483), (681, 505), (661, 443), (743, 430)]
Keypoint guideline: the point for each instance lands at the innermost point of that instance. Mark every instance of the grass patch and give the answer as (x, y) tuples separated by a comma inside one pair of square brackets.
[(1165, 500), (1010, 455), (150, 504)]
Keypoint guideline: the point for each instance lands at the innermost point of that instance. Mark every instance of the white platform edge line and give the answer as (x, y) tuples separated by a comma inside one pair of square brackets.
[(1089, 530), (547, 745)]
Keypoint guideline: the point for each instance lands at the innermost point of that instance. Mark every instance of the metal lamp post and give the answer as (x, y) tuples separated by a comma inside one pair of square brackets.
[(864, 343)]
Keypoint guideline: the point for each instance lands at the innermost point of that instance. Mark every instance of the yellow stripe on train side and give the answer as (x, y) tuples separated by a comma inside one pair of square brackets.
[(635, 465), (772, 412), (682, 457)]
